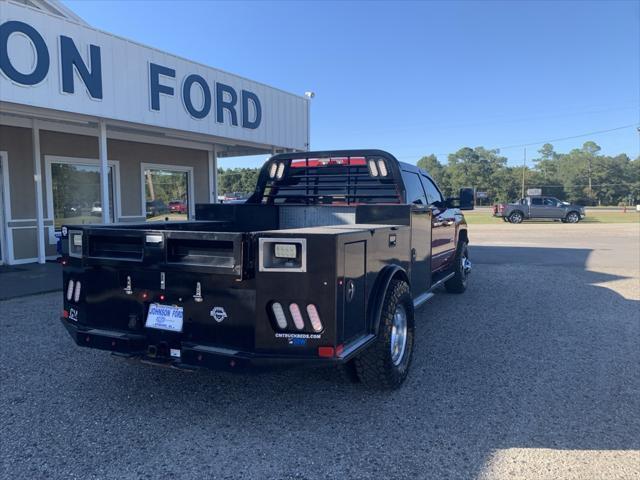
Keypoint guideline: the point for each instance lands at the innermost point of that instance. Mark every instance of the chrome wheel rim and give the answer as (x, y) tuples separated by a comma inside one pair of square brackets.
[(573, 218), (465, 265), (398, 335), (516, 218)]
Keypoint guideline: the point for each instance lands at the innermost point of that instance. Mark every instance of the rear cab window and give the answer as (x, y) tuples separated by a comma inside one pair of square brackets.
[(415, 192), (433, 194)]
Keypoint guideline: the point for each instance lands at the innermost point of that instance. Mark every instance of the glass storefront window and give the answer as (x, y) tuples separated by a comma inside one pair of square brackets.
[(166, 194), (76, 194)]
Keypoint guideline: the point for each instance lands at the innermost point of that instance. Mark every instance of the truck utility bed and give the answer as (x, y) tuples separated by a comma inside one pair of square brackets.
[(298, 274)]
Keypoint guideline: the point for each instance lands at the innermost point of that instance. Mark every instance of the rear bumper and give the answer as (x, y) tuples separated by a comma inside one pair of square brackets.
[(194, 355)]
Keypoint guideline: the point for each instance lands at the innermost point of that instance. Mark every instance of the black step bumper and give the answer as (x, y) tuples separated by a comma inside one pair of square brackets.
[(136, 346)]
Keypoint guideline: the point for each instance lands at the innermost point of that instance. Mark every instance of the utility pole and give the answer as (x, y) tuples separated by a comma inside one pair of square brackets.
[(524, 167), (590, 191)]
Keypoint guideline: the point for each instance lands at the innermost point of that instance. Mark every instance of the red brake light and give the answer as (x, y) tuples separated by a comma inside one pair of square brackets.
[(326, 352), (65, 313)]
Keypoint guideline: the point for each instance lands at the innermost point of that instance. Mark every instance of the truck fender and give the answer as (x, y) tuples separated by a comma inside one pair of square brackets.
[(376, 297)]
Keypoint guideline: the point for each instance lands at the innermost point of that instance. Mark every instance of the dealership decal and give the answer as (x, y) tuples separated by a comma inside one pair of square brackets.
[(73, 314), (299, 335)]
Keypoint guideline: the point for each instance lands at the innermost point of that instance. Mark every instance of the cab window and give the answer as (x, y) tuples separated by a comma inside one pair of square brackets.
[(550, 202), (536, 201), (433, 194), (415, 192)]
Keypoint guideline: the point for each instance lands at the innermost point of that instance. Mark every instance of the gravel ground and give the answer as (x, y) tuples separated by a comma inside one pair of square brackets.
[(532, 373)]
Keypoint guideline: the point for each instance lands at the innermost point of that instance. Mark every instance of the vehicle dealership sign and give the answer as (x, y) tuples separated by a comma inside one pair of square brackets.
[(50, 62)]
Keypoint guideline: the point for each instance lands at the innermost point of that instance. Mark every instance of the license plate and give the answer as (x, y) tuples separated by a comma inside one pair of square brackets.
[(164, 317)]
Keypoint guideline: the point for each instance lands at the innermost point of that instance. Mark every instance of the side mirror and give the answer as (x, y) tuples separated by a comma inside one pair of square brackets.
[(466, 199)]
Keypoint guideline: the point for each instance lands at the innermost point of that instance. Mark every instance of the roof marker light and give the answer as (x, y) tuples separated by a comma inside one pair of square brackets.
[(273, 169), (76, 293), (297, 316), (70, 290), (278, 312), (312, 311), (373, 169), (383, 168), (280, 171)]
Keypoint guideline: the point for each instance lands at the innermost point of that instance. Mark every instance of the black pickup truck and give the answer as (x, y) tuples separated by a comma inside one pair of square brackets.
[(324, 264)]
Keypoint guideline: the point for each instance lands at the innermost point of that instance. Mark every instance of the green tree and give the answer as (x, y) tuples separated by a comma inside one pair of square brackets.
[(438, 171), (479, 168)]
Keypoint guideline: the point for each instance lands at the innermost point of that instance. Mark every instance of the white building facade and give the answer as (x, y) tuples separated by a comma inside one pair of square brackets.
[(87, 116)]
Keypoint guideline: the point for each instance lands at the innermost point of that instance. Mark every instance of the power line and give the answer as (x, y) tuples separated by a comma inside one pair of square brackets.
[(492, 121), (530, 144), (582, 135)]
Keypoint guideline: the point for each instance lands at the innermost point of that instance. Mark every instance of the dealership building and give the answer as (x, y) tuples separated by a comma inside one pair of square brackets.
[(87, 116)]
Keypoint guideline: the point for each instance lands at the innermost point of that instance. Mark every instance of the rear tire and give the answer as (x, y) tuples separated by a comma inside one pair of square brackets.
[(385, 364), (572, 217), (458, 284), (516, 217)]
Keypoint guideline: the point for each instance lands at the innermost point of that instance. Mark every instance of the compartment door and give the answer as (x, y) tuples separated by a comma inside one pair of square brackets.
[(421, 247), (355, 259)]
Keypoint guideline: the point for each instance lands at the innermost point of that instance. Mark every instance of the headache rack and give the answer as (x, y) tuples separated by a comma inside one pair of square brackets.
[(331, 180)]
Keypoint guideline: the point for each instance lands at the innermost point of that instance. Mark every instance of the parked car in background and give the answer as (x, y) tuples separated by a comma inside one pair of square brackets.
[(73, 211), (177, 206), (234, 197), (537, 207), (156, 207), (96, 209)]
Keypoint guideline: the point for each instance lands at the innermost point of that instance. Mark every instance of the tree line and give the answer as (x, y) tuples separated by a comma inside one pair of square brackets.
[(581, 176)]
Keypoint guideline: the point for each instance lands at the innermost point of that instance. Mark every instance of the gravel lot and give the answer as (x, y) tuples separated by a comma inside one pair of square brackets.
[(533, 373)]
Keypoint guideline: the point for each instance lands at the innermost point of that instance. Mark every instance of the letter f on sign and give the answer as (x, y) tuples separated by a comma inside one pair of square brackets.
[(155, 88)]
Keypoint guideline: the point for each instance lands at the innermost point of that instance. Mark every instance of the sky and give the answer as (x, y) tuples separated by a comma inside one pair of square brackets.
[(416, 78)]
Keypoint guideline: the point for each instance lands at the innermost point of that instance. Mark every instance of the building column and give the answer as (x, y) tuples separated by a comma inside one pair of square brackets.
[(37, 177), (104, 171), (213, 174)]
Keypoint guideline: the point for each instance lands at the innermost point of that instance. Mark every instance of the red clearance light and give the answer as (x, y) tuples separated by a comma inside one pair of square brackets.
[(145, 295), (324, 162), (65, 313), (162, 298), (326, 352), (339, 350)]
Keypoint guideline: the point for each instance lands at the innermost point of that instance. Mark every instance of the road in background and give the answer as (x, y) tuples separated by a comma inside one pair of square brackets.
[(531, 374)]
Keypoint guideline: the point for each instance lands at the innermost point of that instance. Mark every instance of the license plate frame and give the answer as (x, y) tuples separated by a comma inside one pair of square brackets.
[(169, 318)]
